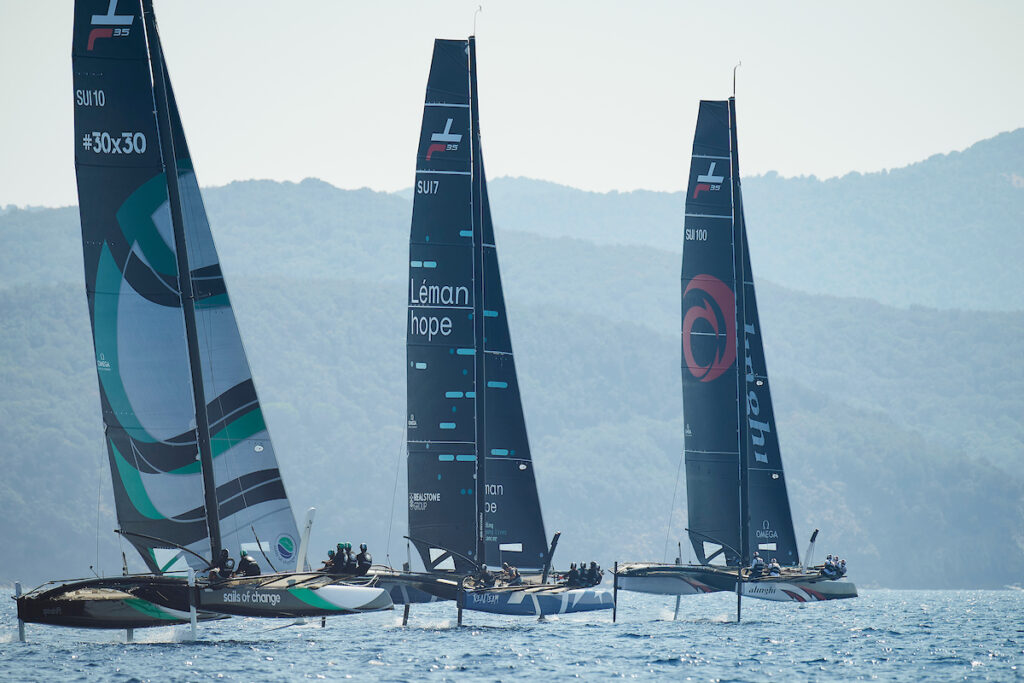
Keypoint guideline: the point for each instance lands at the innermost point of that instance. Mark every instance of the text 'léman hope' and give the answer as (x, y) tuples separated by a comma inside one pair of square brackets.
[(434, 295)]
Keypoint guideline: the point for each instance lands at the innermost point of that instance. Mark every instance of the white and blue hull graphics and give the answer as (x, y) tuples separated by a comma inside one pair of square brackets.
[(538, 600)]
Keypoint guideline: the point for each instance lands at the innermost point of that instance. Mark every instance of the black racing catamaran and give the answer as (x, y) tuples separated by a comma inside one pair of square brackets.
[(472, 494), (193, 466), (736, 491)]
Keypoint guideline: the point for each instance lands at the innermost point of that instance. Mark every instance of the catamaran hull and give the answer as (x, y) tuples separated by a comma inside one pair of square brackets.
[(293, 602), (538, 601), (117, 603), (407, 588), (698, 579), (799, 591)]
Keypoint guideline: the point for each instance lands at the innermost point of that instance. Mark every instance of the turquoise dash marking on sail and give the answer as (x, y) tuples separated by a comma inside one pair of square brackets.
[(499, 451), (421, 366), (453, 394), (446, 458), (497, 385), (470, 394), (466, 352), (466, 458), (465, 233), (430, 264), (490, 314), (447, 425), (416, 264)]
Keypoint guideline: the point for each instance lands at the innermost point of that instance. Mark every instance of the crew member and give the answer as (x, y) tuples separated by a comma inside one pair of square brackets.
[(756, 566), (329, 562), (223, 567), (774, 569), (364, 561), (573, 577), (247, 566)]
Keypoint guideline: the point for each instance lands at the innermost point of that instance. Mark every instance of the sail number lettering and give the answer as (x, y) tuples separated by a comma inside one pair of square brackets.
[(490, 508), (427, 186), (90, 98), (103, 142), (697, 234)]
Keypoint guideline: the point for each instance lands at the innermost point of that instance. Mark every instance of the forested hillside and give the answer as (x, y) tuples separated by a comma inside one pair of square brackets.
[(900, 427)]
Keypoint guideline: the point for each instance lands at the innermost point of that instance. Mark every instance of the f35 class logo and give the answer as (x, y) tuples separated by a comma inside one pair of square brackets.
[(445, 141), (708, 182), (113, 25), (710, 315)]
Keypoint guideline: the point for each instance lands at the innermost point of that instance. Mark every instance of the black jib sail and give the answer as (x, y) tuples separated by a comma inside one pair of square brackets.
[(736, 490), (465, 419), (191, 459)]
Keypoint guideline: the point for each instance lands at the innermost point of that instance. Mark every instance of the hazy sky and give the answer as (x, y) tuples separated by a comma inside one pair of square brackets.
[(594, 94)]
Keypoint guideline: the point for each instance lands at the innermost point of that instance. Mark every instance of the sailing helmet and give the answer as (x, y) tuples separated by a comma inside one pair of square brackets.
[(330, 553), (243, 554), (341, 546), (362, 546)]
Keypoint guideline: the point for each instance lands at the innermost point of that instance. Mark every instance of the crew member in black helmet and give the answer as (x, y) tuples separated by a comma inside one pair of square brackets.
[(364, 561), (223, 567)]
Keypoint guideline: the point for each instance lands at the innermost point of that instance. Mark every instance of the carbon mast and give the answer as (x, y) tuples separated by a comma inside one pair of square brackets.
[(479, 358), (162, 111), (742, 434)]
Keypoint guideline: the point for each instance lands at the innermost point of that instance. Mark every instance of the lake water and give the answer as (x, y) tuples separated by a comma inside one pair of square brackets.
[(889, 635)]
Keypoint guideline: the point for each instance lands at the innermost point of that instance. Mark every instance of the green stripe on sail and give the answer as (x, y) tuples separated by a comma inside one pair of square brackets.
[(132, 481), (105, 309), (136, 220), (216, 301), (309, 596), (149, 609), (232, 433)]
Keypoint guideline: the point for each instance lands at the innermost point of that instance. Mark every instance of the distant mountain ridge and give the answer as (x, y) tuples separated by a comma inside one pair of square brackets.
[(900, 427), (946, 232)]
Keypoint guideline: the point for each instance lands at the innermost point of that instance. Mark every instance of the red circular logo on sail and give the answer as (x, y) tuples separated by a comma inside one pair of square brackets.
[(713, 313)]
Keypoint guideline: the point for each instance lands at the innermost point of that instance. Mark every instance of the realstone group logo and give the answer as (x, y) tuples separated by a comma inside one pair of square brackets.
[(710, 313)]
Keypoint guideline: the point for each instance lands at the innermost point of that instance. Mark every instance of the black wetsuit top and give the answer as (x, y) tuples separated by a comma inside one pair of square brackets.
[(364, 560), (248, 567)]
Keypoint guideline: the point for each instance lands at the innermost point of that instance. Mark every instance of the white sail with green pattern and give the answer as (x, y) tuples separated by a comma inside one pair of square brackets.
[(154, 332)]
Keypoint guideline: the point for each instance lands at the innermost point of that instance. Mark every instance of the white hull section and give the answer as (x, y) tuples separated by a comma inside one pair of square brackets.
[(798, 591), (660, 585)]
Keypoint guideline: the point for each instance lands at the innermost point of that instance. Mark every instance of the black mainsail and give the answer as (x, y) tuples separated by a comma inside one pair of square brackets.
[(736, 491), (465, 417), (192, 461)]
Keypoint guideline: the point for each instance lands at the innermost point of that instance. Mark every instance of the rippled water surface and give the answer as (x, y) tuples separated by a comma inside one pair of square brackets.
[(901, 635)]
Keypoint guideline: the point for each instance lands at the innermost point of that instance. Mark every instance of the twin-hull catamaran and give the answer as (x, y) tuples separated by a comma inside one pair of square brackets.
[(472, 494), (193, 466), (736, 491)]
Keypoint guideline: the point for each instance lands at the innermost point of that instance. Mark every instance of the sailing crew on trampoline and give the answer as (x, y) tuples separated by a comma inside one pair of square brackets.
[(842, 567), (774, 569), (329, 562), (223, 567), (756, 566), (364, 561), (594, 574), (247, 566), (573, 577)]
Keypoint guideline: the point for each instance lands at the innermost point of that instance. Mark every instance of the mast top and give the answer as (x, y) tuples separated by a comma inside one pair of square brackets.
[(738, 65), (479, 9)]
